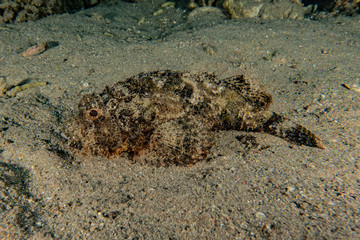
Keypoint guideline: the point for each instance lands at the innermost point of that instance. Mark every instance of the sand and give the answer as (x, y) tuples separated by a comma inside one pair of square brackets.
[(254, 186)]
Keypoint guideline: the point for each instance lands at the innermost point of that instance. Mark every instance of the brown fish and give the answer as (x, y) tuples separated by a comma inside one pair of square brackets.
[(171, 117)]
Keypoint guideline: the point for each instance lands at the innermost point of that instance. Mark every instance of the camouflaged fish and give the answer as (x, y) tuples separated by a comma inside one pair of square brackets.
[(172, 117)]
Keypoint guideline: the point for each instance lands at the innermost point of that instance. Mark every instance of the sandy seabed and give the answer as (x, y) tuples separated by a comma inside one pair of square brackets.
[(255, 186)]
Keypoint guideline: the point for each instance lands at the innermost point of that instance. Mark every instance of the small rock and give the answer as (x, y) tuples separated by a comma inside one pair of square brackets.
[(205, 12), (261, 216)]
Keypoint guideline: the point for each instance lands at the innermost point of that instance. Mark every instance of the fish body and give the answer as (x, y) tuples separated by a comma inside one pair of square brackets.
[(172, 117)]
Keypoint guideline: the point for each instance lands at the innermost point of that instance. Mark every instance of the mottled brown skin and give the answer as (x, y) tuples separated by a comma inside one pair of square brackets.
[(169, 117)]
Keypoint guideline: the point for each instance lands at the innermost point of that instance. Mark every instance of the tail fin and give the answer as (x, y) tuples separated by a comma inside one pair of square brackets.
[(279, 126)]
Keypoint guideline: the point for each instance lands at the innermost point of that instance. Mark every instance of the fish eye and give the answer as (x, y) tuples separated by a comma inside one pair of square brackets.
[(94, 113)]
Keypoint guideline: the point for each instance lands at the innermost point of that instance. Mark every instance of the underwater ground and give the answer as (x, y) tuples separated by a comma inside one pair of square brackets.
[(255, 186)]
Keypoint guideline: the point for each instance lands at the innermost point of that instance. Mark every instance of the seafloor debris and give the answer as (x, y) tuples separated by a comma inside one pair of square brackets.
[(209, 49), (265, 9), (3, 86), (7, 90), (26, 10), (354, 87), (20, 88), (35, 50), (170, 117)]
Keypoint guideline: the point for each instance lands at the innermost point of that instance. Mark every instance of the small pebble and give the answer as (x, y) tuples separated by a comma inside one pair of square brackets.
[(260, 216)]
